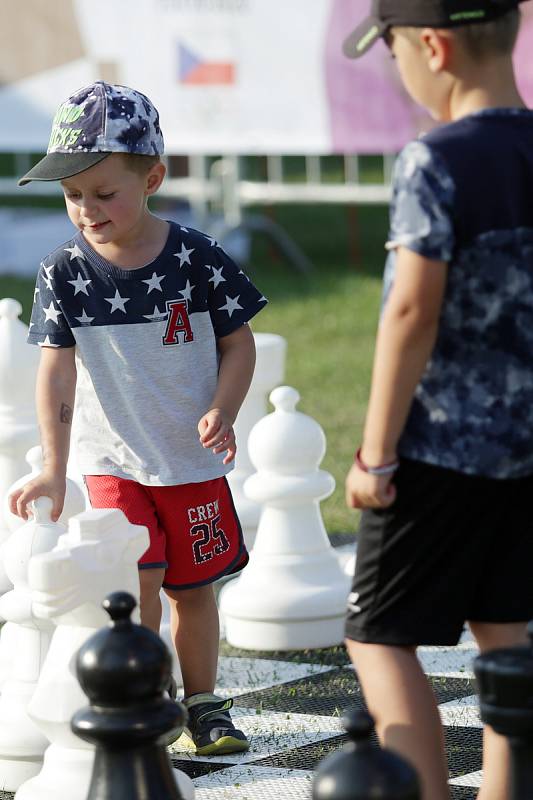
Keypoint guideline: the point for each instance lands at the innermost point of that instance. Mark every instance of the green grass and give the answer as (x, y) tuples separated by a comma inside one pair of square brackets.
[(328, 317)]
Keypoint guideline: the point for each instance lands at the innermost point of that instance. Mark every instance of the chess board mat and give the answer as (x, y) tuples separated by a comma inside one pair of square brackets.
[(290, 705)]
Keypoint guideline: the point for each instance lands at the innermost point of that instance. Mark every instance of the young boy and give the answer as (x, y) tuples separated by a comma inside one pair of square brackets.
[(445, 469), (144, 322)]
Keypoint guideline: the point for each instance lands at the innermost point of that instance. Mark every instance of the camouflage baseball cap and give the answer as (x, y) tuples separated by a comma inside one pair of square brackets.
[(95, 121)]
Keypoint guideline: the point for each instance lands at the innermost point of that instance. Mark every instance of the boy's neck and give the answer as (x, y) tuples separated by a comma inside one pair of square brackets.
[(143, 248), (488, 85)]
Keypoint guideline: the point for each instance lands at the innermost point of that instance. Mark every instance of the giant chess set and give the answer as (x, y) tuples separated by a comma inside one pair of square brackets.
[(282, 659)]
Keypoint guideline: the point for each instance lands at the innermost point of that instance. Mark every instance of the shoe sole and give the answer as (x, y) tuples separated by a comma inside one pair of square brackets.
[(224, 746)]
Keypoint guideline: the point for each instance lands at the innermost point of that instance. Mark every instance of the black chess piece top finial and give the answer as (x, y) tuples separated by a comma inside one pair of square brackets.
[(124, 669), (361, 770)]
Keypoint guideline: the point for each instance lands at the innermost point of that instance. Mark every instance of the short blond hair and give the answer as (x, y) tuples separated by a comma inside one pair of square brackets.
[(138, 163), (482, 39)]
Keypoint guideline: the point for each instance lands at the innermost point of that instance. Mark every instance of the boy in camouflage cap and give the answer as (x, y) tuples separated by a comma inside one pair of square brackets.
[(445, 470), (144, 322)]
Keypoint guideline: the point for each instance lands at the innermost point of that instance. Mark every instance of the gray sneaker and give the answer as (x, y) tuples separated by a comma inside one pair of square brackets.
[(210, 727)]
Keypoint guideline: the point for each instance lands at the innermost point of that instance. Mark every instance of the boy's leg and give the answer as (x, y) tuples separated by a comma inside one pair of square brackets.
[(150, 581), (195, 632), (402, 703), (496, 755)]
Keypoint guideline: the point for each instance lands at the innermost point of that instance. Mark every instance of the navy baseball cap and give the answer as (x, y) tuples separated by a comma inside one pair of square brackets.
[(93, 123), (385, 14)]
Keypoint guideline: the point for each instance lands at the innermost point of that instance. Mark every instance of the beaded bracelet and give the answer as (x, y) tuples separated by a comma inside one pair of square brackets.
[(381, 469)]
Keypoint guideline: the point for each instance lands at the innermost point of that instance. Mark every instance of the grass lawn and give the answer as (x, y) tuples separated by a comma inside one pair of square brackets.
[(328, 318)]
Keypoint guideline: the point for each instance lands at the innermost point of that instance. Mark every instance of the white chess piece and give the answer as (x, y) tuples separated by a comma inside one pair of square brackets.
[(74, 503), (22, 744), (18, 421), (269, 371), (292, 595), (75, 500), (97, 555)]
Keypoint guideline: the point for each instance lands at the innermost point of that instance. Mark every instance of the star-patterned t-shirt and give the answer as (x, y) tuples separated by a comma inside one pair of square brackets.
[(146, 351)]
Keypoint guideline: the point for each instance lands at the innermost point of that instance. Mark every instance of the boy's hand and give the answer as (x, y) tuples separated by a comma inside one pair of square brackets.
[(216, 431), (369, 491), (46, 484)]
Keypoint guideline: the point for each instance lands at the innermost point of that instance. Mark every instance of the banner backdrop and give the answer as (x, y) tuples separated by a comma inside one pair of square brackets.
[(228, 76)]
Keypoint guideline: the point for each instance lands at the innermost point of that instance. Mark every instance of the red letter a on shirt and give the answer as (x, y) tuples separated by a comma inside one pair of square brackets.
[(178, 320)]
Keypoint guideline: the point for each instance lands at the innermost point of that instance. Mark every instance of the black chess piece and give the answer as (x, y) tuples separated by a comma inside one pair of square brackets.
[(505, 686), (363, 771), (124, 669)]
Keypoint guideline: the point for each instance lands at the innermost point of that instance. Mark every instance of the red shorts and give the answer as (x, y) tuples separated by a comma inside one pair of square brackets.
[(195, 534)]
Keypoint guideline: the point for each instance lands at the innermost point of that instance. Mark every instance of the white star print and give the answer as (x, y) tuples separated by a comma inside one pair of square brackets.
[(244, 273), (117, 302), (75, 252), (184, 255), (80, 285), (35, 293), (212, 242), (84, 319), (159, 315), (48, 279), (217, 277), (186, 293), (185, 230), (51, 313), (155, 282), (262, 300), (232, 304), (47, 343)]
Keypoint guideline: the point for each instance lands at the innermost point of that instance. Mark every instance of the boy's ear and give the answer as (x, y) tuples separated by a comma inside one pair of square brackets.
[(154, 178), (436, 46)]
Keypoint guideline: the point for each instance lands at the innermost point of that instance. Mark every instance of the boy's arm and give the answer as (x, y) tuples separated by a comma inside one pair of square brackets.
[(235, 372), (406, 337), (55, 391)]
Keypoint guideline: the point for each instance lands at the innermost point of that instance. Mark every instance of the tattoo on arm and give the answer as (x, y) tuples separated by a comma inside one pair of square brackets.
[(65, 414)]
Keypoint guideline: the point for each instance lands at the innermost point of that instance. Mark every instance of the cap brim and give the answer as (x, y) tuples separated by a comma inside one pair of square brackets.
[(363, 37), (55, 166)]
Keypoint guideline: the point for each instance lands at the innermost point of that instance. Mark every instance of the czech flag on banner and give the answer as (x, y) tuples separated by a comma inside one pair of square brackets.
[(196, 71)]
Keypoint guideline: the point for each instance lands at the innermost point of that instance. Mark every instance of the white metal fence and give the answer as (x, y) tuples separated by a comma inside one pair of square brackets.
[(224, 186)]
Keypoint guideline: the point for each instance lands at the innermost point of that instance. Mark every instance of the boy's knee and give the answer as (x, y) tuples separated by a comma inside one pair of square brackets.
[(196, 595)]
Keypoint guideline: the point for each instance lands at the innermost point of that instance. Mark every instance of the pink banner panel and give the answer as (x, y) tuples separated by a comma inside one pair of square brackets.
[(370, 111)]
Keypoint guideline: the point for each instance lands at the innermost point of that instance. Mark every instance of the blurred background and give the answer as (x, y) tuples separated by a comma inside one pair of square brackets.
[(276, 144)]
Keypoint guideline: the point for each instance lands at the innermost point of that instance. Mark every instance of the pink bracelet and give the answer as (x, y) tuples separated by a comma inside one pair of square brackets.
[(381, 469)]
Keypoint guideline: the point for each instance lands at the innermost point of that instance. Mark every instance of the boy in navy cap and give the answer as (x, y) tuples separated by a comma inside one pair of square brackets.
[(144, 323), (445, 470)]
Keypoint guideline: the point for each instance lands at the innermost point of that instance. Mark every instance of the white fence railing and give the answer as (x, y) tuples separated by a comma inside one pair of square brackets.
[(222, 186)]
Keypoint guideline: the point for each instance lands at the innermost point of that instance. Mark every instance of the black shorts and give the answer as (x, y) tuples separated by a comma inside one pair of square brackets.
[(452, 547)]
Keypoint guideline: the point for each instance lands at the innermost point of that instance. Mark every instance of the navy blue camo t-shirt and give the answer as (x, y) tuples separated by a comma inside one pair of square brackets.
[(464, 194)]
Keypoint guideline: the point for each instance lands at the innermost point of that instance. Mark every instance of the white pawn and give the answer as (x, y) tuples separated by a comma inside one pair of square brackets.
[(74, 503), (18, 421), (97, 555), (292, 595), (269, 371), (22, 744)]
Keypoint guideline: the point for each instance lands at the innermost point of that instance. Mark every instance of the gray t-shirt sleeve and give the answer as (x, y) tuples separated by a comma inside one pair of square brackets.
[(422, 204)]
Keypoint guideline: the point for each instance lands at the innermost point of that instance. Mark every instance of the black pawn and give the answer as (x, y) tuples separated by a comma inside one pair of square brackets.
[(505, 686), (362, 771), (124, 669)]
